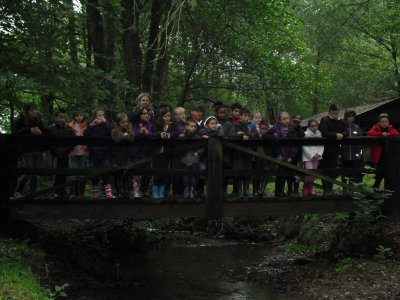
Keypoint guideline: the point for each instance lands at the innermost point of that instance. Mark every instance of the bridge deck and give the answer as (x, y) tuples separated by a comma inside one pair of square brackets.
[(148, 208)]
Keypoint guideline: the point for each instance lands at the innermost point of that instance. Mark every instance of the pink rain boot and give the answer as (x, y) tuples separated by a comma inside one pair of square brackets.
[(108, 191)]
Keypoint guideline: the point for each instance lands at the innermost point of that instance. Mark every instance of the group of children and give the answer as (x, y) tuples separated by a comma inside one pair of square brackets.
[(144, 122)]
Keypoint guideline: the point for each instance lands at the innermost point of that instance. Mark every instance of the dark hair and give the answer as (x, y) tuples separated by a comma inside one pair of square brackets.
[(60, 111), (137, 113), (191, 121), (77, 112), (236, 106), (27, 107), (333, 107), (264, 123), (383, 115), (218, 106), (245, 110), (312, 121), (96, 111), (160, 113)]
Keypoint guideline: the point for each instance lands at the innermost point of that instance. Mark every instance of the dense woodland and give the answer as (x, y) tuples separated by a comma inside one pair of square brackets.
[(295, 55)]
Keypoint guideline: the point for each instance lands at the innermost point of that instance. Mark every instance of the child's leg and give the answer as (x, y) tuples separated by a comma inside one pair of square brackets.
[(95, 163), (62, 162), (136, 185)]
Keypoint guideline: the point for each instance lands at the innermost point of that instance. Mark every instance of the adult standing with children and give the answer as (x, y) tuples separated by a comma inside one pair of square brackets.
[(333, 128)]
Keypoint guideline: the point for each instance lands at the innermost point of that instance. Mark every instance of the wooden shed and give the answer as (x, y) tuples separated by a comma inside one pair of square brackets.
[(367, 114)]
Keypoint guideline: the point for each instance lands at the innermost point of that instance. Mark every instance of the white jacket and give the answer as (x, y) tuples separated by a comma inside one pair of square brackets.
[(310, 151)]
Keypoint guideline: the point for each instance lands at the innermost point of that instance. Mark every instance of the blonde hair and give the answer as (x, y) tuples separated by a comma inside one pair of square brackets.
[(118, 118), (141, 95), (178, 109)]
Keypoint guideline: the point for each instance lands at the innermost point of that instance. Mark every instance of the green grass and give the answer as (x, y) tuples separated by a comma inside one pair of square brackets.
[(17, 281)]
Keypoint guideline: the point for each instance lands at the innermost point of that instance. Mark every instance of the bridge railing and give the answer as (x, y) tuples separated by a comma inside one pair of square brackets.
[(215, 205)]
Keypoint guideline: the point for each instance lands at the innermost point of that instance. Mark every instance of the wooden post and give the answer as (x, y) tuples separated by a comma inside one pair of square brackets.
[(214, 179), (6, 160), (392, 175)]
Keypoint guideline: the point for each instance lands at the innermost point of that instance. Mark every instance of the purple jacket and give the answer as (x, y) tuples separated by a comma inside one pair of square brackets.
[(180, 127), (100, 130), (141, 151), (278, 131)]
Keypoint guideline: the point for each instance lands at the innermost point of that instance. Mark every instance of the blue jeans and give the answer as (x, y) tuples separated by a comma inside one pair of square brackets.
[(30, 161)]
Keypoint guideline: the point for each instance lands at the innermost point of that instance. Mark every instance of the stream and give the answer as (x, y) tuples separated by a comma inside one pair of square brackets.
[(211, 269)]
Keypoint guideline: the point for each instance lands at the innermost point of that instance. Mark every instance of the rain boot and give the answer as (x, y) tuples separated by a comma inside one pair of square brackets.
[(154, 191), (136, 183), (108, 191), (161, 191)]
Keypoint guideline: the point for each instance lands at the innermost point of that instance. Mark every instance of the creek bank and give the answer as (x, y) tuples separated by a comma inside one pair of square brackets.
[(93, 255)]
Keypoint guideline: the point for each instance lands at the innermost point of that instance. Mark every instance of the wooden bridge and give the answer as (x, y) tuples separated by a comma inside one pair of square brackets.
[(39, 205)]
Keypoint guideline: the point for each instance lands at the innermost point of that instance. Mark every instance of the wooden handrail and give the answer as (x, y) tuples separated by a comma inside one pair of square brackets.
[(12, 139)]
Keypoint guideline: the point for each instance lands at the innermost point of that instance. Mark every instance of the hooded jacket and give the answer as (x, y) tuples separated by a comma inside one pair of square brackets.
[(377, 130), (351, 152)]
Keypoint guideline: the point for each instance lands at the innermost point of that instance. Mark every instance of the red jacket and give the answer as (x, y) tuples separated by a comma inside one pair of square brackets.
[(376, 130)]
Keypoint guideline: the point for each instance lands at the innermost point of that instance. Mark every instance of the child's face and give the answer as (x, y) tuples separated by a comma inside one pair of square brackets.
[(245, 118), (263, 129), (221, 113), (144, 102), (166, 118), (144, 116), (350, 119), (79, 118), (212, 125), (236, 113), (124, 123), (284, 120), (295, 123), (197, 115), (334, 114), (257, 119), (100, 115), (191, 127), (180, 115), (313, 127), (32, 112), (384, 122), (60, 119)]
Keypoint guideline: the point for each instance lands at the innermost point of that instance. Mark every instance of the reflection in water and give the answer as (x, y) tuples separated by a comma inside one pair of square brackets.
[(227, 272)]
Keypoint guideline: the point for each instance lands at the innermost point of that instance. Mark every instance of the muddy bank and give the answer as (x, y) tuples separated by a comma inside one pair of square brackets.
[(262, 257)]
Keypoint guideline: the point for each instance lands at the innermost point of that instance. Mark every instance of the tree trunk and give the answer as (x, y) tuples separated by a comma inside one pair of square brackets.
[(315, 97), (393, 48), (73, 48), (162, 60), (110, 32), (131, 51), (152, 45), (191, 64), (96, 32), (47, 101)]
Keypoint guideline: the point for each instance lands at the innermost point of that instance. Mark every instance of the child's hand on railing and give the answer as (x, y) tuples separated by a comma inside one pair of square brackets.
[(245, 137), (339, 136), (36, 130), (205, 136)]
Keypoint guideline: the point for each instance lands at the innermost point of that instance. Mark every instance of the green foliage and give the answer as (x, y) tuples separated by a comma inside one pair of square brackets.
[(58, 292), (344, 265), (383, 253), (270, 55)]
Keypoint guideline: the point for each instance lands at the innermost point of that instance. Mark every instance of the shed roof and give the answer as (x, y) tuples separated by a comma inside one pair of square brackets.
[(358, 109)]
